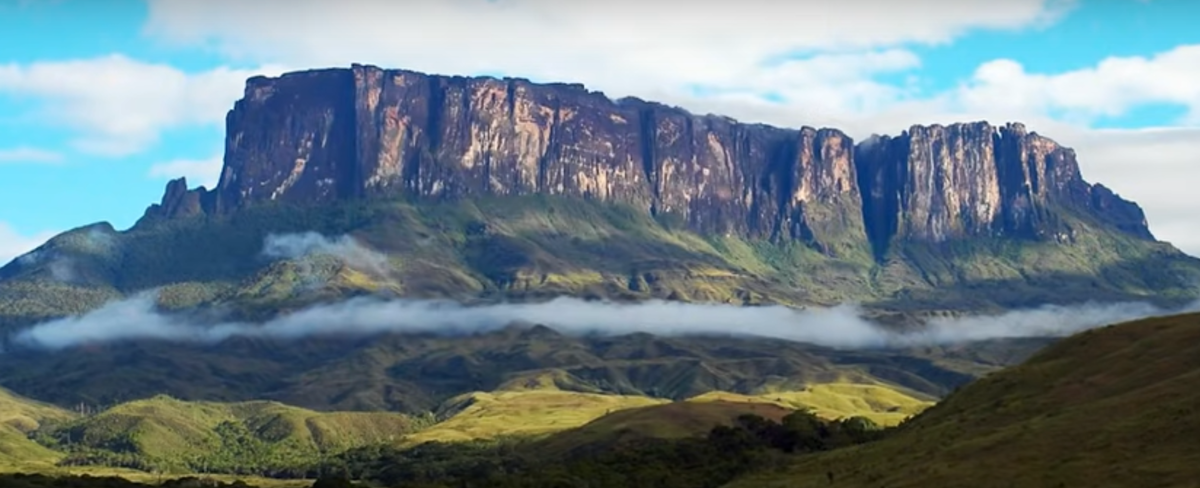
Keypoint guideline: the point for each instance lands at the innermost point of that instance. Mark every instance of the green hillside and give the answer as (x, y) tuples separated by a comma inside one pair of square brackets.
[(524, 413), (18, 417), (165, 434), (882, 404), (1113, 407), (538, 246), (675, 420)]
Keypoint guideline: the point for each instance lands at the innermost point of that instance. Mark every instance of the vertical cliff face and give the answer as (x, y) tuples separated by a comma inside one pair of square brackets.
[(327, 135), (290, 138), (936, 183)]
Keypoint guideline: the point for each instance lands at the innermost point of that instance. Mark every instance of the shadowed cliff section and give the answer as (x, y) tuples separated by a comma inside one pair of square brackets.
[(336, 134), (937, 183)]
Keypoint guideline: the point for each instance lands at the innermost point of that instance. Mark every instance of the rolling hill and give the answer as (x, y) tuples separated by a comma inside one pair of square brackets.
[(165, 434), (886, 406), (1112, 407), (522, 413), (673, 420), (18, 417)]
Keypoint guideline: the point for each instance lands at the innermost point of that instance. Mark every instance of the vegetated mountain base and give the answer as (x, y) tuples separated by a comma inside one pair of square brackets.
[(540, 247)]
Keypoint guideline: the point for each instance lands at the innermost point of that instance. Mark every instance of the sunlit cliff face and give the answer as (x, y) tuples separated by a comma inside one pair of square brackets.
[(347, 133)]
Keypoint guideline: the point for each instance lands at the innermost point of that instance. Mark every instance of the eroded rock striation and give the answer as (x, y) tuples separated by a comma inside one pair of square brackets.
[(935, 183), (332, 134)]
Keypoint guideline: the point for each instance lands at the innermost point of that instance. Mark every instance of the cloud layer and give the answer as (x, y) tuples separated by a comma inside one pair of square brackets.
[(841, 327), (123, 104)]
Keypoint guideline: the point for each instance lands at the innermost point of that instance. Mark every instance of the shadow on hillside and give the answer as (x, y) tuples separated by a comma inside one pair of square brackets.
[(1166, 281), (416, 372)]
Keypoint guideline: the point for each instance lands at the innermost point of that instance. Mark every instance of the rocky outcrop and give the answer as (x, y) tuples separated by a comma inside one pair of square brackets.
[(936, 183), (179, 201), (325, 135)]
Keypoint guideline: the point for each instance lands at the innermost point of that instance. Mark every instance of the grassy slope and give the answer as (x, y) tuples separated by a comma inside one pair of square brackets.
[(1110, 407), (666, 421), (18, 417), (177, 435), (882, 404), (523, 413)]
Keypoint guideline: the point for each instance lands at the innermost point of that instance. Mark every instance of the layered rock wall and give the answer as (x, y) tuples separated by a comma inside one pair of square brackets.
[(326, 135)]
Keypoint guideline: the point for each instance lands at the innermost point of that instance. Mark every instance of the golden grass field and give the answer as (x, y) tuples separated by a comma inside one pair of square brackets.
[(882, 404), (524, 413)]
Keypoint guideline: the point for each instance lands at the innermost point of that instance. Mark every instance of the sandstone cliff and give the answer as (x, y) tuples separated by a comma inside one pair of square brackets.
[(324, 135), (938, 182)]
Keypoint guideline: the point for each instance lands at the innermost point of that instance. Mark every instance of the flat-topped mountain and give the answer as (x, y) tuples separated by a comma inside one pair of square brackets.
[(337, 134)]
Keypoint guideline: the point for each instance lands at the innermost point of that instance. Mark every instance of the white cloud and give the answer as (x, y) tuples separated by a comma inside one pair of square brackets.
[(13, 243), (345, 248), (839, 327), (199, 172), (621, 48), (118, 105), (1111, 88), (25, 154)]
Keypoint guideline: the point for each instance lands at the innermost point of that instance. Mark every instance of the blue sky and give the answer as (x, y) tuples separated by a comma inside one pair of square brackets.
[(58, 168)]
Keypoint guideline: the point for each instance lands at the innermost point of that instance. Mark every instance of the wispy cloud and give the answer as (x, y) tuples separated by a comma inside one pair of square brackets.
[(345, 248), (840, 327), (123, 105), (25, 154)]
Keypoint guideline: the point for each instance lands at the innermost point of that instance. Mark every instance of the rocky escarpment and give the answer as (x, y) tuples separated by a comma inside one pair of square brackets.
[(325, 135), (934, 183)]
